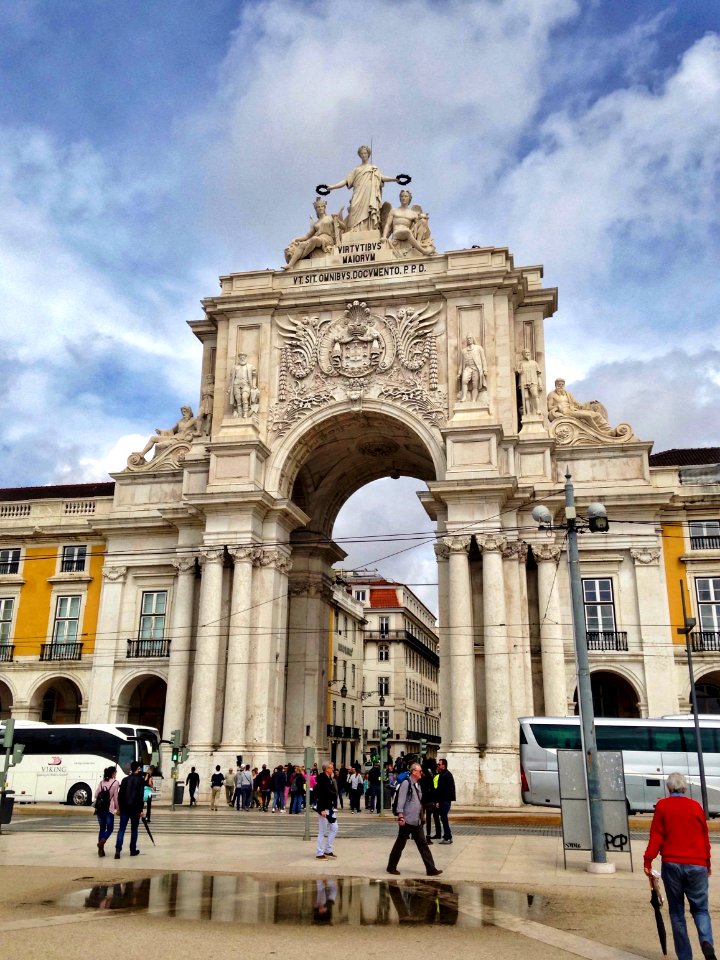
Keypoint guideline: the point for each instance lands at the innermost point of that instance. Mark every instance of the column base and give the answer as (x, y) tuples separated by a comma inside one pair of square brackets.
[(500, 778)]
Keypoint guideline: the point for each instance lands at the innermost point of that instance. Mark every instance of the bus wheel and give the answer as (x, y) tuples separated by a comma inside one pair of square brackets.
[(79, 795)]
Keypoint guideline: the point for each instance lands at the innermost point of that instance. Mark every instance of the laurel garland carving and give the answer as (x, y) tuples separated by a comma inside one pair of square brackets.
[(355, 356)]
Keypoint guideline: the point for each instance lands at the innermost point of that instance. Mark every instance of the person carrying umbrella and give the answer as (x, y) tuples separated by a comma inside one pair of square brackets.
[(679, 834)]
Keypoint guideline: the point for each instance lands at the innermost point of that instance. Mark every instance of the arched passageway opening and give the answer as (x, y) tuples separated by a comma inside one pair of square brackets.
[(145, 702), (6, 700), (708, 693), (58, 700), (613, 695)]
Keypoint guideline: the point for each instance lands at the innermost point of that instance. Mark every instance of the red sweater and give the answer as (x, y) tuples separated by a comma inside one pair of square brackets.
[(679, 832)]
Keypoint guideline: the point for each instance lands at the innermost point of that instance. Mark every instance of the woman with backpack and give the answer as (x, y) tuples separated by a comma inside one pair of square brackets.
[(106, 806)]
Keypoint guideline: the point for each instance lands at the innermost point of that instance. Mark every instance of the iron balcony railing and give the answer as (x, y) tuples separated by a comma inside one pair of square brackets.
[(61, 651), (607, 640), (376, 734), (137, 649), (705, 641), (6, 652)]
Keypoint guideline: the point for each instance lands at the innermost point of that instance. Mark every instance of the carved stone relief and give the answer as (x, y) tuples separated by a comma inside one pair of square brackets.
[(575, 424), (645, 556), (171, 445), (356, 356), (114, 574)]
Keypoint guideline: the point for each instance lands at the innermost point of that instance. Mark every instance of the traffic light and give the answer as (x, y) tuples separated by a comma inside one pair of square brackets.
[(184, 754), (373, 756), (383, 738), (18, 751), (423, 747), (175, 742), (9, 733)]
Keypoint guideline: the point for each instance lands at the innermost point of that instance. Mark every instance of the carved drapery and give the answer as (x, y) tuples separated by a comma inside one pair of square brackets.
[(645, 556), (114, 574)]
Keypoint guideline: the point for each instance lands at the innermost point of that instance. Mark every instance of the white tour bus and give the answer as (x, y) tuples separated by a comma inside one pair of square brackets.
[(651, 750), (63, 763)]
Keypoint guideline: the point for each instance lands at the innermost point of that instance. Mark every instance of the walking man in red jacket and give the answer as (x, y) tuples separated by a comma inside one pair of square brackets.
[(679, 834)]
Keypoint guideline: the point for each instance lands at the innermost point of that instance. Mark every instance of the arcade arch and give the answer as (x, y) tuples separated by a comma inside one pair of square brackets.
[(57, 700), (6, 701), (613, 695), (142, 701), (707, 688)]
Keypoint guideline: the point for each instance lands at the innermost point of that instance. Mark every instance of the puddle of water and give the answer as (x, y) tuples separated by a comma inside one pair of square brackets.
[(326, 900)]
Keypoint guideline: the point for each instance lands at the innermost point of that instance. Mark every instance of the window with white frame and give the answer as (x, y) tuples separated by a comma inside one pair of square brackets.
[(383, 652), (708, 600), (335, 666), (599, 605), (6, 614), (152, 615), (344, 714), (10, 560), (334, 713), (705, 534), (73, 559), (383, 718), (383, 686), (361, 595), (67, 620), (353, 675), (384, 626)]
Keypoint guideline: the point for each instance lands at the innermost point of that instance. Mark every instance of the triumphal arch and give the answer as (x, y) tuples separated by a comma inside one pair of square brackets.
[(368, 353)]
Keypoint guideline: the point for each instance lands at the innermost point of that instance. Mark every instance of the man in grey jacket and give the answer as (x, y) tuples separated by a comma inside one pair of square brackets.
[(409, 817)]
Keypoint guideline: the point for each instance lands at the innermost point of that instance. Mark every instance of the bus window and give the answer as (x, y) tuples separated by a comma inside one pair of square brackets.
[(126, 755), (623, 738), (668, 739), (557, 736), (708, 739)]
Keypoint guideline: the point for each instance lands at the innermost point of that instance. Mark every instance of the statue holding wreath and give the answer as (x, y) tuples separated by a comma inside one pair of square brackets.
[(366, 183)]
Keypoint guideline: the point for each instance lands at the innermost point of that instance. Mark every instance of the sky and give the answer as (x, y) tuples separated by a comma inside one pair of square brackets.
[(147, 148)]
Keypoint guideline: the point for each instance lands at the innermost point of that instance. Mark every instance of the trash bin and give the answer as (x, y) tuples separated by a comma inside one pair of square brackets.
[(178, 794), (6, 807)]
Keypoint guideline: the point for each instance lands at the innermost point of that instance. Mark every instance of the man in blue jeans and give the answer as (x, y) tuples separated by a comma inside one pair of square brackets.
[(679, 834)]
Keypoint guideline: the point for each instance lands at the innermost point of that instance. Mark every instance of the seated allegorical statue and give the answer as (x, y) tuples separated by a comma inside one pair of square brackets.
[(409, 226), (324, 234), (186, 430), (576, 422)]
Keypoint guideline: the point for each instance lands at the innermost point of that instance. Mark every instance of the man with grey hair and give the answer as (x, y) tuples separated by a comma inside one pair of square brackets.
[(679, 834), (409, 817), (325, 803)]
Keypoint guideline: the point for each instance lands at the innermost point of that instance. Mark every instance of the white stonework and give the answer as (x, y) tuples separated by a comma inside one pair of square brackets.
[(369, 355)]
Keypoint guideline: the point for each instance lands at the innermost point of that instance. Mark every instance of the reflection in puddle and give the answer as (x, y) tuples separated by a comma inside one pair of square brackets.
[(342, 900)]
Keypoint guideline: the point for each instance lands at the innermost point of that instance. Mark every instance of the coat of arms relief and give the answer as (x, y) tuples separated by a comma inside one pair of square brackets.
[(356, 356)]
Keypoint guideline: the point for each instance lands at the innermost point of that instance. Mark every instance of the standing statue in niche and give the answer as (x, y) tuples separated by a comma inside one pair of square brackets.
[(324, 234), (473, 370), (205, 409), (408, 225), (243, 389), (530, 377), (186, 429), (366, 183)]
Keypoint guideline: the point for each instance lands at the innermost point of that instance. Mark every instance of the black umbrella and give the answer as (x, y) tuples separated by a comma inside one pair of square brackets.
[(145, 824), (656, 903)]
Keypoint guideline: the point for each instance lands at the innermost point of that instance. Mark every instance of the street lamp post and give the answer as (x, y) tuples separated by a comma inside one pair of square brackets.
[(597, 522)]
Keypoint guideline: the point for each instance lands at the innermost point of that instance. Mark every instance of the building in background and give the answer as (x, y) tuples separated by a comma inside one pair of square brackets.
[(401, 664)]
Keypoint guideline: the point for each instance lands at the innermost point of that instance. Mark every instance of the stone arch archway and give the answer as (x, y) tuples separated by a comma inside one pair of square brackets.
[(707, 688), (613, 695), (57, 700), (142, 701), (6, 700)]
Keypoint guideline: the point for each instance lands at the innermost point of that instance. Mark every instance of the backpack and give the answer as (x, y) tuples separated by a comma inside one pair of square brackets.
[(102, 803), (396, 797)]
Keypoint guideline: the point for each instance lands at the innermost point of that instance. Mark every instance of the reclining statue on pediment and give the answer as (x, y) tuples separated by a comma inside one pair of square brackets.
[(324, 234), (573, 422), (170, 445)]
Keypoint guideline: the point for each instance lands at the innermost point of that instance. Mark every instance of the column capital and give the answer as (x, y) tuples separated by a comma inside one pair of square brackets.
[(212, 554), (274, 558), (491, 542), (185, 564), (546, 551), (457, 544), (114, 574), (645, 556), (515, 550), (244, 553), (441, 551)]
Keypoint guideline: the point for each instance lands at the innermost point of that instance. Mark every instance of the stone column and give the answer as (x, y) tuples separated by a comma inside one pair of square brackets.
[(657, 646), (100, 705), (555, 694), (207, 651), (266, 697), (514, 557), (445, 672), (463, 732), (181, 624), (500, 768), (497, 666), (238, 655)]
